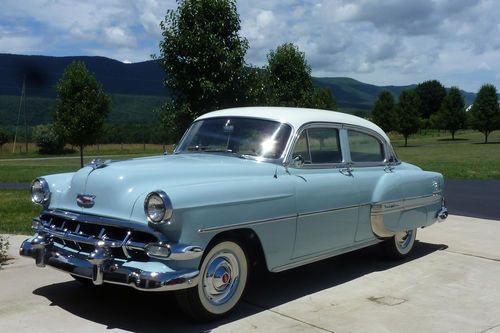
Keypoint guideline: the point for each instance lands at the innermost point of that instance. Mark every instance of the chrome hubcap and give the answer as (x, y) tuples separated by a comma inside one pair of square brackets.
[(404, 238), (221, 278)]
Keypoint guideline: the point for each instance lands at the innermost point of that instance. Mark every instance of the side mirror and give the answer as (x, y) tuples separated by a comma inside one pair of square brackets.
[(298, 161)]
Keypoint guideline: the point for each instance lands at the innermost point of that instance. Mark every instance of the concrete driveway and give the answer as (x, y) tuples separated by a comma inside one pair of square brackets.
[(450, 284)]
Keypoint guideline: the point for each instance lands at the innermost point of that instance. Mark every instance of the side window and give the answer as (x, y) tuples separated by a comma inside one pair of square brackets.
[(319, 146), (365, 147)]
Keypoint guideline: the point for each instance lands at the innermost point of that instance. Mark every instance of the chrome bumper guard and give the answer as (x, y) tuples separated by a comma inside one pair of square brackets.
[(101, 266), (442, 215)]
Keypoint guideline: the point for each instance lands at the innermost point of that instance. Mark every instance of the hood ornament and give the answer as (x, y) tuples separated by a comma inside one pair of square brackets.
[(97, 163), (85, 200)]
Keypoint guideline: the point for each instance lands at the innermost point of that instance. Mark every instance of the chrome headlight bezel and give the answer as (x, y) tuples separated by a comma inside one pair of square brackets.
[(41, 187), (166, 210)]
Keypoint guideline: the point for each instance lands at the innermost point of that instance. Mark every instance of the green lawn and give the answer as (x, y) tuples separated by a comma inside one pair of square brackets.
[(465, 158), (16, 212), (23, 167), (23, 171)]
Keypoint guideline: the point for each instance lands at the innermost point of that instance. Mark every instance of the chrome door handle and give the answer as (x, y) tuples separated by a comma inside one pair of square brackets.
[(346, 171)]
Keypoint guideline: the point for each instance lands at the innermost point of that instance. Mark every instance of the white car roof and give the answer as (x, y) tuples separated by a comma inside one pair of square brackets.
[(296, 116)]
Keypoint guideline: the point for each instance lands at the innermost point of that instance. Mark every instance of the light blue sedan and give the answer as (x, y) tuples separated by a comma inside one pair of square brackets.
[(282, 187)]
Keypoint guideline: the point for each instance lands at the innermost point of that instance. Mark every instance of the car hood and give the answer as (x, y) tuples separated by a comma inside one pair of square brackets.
[(118, 186)]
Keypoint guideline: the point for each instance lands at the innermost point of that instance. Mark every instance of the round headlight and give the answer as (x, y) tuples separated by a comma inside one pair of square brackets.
[(158, 207), (40, 193)]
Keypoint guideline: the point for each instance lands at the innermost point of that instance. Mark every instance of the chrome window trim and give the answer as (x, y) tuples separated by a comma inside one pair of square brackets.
[(384, 144), (388, 148), (294, 139)]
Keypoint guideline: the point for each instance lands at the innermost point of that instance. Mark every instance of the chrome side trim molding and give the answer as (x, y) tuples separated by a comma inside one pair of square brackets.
[(277, 219), (405, 204), (246, 224), (378, 211), (332, 210), (324, 255)]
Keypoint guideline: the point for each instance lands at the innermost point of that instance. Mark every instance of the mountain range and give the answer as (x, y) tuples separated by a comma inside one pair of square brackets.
[(136, 89)]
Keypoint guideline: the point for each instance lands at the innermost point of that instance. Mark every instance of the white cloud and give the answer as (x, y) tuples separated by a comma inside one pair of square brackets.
[(119, 36), (19, 44)]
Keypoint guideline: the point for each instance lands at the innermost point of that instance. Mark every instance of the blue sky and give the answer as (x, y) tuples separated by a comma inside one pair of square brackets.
[(384, 42)]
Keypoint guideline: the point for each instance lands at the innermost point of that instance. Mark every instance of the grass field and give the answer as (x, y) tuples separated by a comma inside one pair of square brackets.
[(16, 212), (465, 158), (21, 167)]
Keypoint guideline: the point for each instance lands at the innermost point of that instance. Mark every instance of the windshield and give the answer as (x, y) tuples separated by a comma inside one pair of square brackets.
[(236, 135)]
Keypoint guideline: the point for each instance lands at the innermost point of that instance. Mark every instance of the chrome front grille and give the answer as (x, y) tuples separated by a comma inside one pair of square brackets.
[(82, 234)]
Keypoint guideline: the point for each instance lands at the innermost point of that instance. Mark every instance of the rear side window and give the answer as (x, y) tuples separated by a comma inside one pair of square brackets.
[(319, 146), (365, 147)]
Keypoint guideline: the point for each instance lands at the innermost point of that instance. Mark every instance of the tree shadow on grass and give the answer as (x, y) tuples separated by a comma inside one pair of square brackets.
[(131, 310), (487, 143), (453, 140)]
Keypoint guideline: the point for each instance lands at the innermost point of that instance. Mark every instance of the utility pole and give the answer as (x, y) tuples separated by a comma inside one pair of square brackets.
[(19, 113)]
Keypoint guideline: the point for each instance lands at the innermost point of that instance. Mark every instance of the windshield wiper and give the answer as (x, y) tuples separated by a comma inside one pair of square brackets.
[(224, 151)]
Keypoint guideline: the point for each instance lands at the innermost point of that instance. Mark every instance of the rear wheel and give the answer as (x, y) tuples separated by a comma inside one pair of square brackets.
[(223, 278), (401, 244)]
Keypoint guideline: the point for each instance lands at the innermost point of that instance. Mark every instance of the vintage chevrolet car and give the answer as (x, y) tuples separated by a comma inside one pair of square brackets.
[(278, 186)]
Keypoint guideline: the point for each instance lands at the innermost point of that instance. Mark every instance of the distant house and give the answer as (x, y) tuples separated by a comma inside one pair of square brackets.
[(468, 108)]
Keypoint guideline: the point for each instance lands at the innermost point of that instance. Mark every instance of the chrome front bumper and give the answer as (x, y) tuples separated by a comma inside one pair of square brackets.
[(157, 278), (99, 259)]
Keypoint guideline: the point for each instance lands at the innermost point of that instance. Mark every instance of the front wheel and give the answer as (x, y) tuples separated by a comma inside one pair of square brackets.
[(223, 278), (401, 244)]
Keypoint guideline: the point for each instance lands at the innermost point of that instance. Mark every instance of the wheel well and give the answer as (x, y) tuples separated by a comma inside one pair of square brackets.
[(250, 242)]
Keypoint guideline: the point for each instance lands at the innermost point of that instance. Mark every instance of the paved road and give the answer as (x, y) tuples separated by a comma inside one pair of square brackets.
[(449, 284), (474, 198)]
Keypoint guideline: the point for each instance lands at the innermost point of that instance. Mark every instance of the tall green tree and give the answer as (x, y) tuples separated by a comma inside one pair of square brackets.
[(408, 114), (322, 98), (81, 108), (290, 81), (202, 55), (451, 115), (430, 96), (485, 112), (384, 112)]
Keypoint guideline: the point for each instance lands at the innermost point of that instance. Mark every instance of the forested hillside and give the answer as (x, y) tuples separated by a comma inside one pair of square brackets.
[(137, 89)]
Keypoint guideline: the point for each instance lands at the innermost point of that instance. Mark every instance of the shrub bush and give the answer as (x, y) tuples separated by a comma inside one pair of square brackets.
[(4, 246), (47, 140)]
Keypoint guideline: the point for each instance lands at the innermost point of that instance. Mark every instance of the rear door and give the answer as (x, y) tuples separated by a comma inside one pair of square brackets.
[(375, 180)]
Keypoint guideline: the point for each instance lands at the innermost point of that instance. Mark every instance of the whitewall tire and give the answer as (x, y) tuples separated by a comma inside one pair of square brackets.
[(223, 278), (401, 244)]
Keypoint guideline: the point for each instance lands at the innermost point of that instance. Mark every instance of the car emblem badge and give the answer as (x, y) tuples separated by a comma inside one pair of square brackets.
[(85, 200)]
